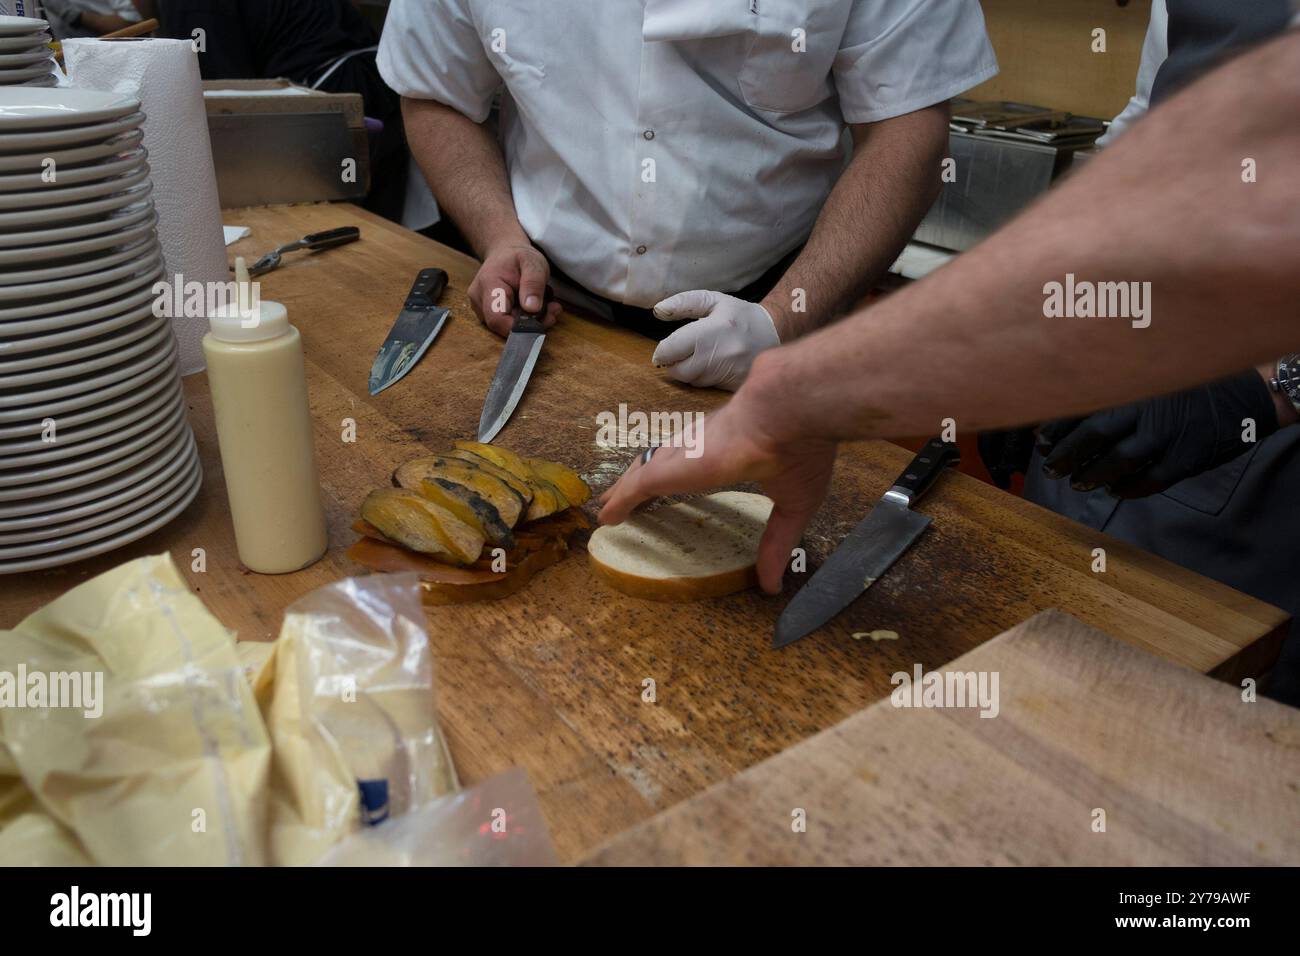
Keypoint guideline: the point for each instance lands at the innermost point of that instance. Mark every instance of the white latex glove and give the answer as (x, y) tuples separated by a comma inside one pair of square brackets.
[(718, 349)]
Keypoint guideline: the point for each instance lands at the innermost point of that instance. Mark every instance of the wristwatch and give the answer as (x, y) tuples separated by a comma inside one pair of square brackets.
[(1287, 379)]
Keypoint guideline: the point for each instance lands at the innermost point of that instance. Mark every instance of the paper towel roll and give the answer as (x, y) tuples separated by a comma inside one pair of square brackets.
[(164, 74)]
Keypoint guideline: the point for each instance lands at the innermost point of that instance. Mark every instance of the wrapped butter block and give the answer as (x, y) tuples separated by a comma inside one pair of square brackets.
[(156, 753), (135, 732)]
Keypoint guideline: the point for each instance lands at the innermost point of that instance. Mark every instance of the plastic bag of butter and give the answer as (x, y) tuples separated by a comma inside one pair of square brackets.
[(132, 727), (146, 736), (351, 714)]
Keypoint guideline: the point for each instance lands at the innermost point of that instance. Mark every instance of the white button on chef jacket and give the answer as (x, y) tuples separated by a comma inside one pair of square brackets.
[(655, 146)]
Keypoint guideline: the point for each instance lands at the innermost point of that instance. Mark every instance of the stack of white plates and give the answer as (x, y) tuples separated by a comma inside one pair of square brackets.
[(95, 449), (25, 55)]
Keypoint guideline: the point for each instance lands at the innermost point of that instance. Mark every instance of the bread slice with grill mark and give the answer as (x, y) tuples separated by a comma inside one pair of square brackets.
[(700, 548)]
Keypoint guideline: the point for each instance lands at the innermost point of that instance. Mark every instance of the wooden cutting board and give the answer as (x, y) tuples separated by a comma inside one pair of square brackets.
[(1176, 766), (554, 678)]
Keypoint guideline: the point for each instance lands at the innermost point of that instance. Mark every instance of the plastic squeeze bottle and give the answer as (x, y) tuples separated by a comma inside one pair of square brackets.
[(259, 399)]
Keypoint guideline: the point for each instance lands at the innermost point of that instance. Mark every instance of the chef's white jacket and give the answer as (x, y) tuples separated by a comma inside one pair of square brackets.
[(1155, 50), (661, 145)]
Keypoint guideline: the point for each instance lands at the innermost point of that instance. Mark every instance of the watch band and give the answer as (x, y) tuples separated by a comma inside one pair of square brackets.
[(1286, 379)]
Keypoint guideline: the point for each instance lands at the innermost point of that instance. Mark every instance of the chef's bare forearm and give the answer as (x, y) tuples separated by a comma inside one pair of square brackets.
[(880, 199), (99, 24), (464, 167), (1166, 204)]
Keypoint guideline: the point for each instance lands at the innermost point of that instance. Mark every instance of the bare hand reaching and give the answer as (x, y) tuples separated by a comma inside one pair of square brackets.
[(734, 446)]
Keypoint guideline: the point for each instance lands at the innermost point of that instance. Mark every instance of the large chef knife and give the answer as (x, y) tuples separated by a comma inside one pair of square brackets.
[(867, 553), (513, 371), (416, 328)]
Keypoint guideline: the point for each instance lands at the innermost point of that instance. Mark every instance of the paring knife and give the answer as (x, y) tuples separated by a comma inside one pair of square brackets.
[(416, 328), (867, 553), (513, 371)]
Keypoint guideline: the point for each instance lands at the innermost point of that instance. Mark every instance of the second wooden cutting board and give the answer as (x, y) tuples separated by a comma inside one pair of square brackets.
[(1099, 754)]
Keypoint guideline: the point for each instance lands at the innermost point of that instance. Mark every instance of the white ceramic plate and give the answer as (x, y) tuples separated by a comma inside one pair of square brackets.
[(46, 81), (79, 301), (149, 514), (126, 350), (167, 471), (53, 343), (95, 409), (35, 162), (39, 281), (92, 381), (24, 110), (71, 136), (94, 483), (155, 395), (33, 509), (74, 212), (16, 26), (70, 175), (134, 242), (15, 75), (44, 198), (62, 313), (134, 532), (157, 502), (58, 330), (119, 266), (24, 42), (101, 302), (16, 263), (27, 414), (81, 473), (125, 427), (101, 341), (174, 471), (13, 261), (113, 221), (29, 57)]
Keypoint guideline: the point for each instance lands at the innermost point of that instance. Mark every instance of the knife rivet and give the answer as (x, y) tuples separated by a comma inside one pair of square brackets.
[(649, 134), (640, 250), (911, 477)]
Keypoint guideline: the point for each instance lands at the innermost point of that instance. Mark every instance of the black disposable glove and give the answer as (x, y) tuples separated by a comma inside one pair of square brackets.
[(1144, 448), (1006, 453)]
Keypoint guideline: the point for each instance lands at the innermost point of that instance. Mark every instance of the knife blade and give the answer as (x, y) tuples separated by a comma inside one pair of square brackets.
[(416, 327), (871, 548), (513, 372)]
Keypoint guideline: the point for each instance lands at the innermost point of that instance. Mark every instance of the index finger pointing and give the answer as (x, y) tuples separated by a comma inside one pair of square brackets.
[(669, 472)]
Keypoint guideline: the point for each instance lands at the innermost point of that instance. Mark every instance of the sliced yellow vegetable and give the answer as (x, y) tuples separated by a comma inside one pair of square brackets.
[(505, 500), (547, 496), (470, 508), (415, 522), (547, 500), (520, 485), (573, 488), (501, 457)]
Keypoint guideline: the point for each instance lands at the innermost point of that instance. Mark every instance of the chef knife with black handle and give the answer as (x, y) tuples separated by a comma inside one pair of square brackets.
[(518, 358), (416, 327), (870, 549)]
